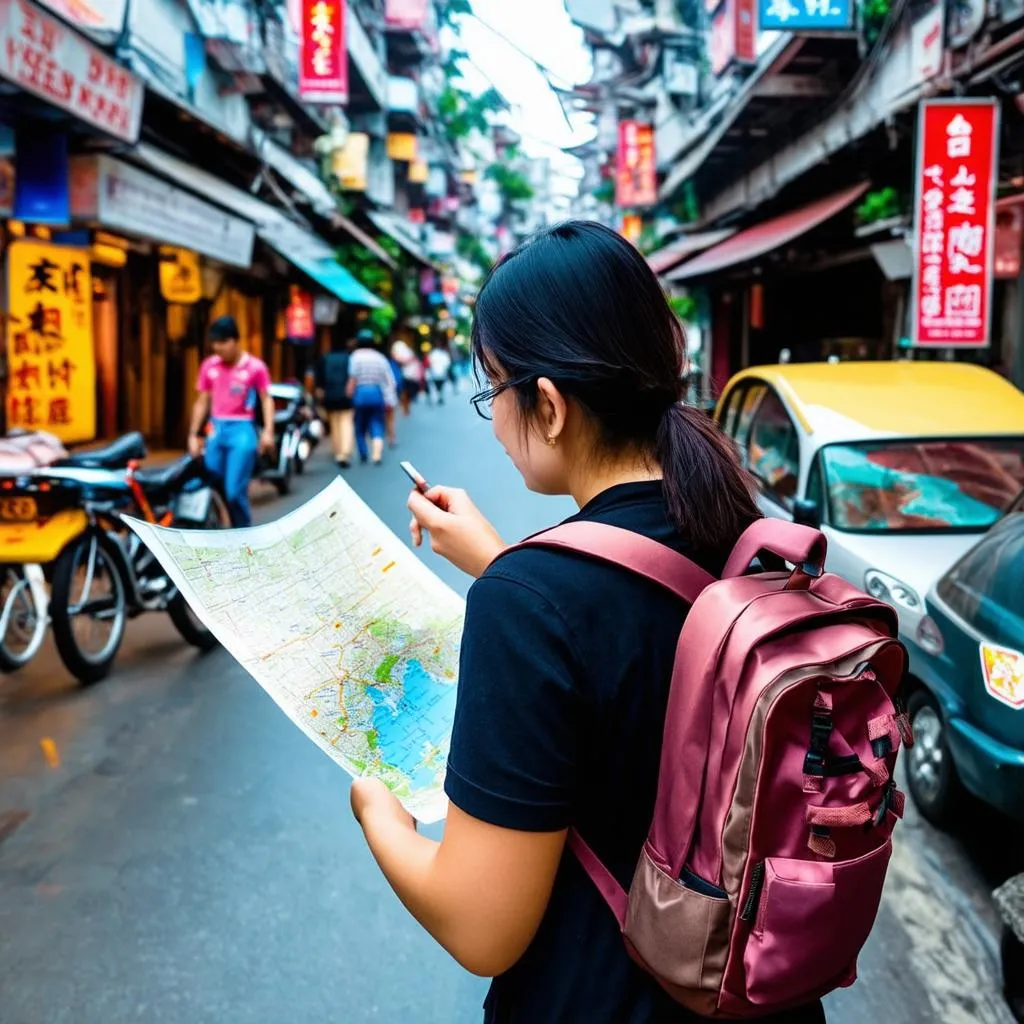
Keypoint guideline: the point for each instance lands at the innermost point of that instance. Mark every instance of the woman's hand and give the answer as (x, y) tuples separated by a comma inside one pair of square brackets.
[(458, 531), (371, 796)]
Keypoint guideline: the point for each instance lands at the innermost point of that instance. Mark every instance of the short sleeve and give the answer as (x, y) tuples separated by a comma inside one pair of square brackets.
[(261, 378), (203, 382), (515, 744)]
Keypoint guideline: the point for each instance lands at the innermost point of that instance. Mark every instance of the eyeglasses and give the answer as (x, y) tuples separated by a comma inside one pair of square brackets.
[(482, 401)]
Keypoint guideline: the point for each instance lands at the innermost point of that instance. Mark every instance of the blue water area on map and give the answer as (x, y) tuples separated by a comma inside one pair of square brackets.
[(424, 710)]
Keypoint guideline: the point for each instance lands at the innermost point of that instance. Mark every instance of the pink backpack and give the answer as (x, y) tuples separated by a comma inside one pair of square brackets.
[(763, 869)]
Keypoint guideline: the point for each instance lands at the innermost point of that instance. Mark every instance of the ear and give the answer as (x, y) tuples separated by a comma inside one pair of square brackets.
[(552, 408)]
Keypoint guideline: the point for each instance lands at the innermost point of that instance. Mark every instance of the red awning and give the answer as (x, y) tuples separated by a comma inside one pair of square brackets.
[(675, 252), (762, 238)]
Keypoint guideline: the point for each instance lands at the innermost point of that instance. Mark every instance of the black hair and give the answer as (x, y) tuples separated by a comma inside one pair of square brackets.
[(578, 304), (224, 328)]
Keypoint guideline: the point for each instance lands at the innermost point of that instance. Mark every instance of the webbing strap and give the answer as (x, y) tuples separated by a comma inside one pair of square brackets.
[(613, 893)]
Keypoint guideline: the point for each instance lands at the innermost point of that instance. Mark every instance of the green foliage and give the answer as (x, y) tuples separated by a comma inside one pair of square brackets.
[(684, 307), (471, 249), (511, 183), (879, 204), (605, 192), (407, 294), (873, 14), (381, 319), (366, 268), (686, 210), (462, 113), (648, 241)]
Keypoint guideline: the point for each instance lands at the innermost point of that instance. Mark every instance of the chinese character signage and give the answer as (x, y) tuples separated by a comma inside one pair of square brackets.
[(323, 52), (48, 59), (636, 182), (181, 279), (405, 14), (51, 381), (299, 319), (954, 230), (804, 15)]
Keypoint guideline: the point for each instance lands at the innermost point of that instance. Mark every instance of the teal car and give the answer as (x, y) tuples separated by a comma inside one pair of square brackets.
[(966, 689)]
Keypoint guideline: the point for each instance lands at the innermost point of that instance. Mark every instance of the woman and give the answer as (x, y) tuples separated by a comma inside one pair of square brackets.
[(566, 662), (371, 386)]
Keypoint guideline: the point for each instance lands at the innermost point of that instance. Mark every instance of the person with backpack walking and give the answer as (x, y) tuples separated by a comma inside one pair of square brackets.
[(741, 859), (371, 387), (331, 379)]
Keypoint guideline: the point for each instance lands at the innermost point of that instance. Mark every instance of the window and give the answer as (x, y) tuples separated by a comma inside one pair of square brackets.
[(732, 408), (984, 587), (816, 487), (773, 454), (937, 485), (751, 401)]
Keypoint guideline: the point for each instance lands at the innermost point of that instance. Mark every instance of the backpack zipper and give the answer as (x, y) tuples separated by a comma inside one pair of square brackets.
[(749, 911)]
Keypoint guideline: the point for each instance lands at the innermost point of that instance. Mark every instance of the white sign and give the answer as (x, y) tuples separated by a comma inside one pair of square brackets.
[(46, 58), (926, 45), (120, 196), (99, 16)]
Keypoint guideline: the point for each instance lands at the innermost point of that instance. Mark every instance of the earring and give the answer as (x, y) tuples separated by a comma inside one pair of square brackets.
[(552, 441)]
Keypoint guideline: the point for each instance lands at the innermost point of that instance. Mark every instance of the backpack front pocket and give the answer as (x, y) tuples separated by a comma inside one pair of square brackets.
[(812, 918)]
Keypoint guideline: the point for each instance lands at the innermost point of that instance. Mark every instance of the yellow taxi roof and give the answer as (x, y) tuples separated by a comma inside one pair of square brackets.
[(854, 400)]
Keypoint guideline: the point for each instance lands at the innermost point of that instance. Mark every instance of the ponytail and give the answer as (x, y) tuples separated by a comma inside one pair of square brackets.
[(708, 493)]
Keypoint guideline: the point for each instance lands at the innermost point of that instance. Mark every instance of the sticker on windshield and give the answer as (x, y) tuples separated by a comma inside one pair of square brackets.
[(1003, 670)]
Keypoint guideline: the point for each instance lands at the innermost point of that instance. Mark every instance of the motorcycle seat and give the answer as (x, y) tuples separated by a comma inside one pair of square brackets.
[(115, 455), (171, 476)]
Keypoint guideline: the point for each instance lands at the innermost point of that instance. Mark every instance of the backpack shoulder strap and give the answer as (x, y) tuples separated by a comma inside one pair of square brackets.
[(631, 550)]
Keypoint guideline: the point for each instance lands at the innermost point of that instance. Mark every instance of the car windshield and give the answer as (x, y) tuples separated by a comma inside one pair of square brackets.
[(949, 484)]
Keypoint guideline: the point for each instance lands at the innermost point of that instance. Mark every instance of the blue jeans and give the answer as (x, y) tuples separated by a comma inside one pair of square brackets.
[(231, 455), (369, 420)]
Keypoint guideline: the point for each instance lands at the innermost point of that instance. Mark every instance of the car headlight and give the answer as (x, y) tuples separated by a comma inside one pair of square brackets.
[(888, 588)]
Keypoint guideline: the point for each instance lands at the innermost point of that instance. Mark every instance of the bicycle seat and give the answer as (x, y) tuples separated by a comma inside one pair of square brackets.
[(171, 476), (115, 455)]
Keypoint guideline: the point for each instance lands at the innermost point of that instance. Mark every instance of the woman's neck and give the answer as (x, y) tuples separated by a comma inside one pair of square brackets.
[(605, 473)]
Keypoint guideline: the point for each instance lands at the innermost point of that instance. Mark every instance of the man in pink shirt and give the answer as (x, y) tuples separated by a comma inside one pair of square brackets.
[(230, 384)]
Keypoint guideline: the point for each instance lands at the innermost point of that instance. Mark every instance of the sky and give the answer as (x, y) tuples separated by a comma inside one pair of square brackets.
[(542, 30)]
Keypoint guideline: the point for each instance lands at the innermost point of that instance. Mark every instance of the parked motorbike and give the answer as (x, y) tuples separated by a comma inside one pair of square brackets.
[(294, 416), (312, 430), (65, 523)]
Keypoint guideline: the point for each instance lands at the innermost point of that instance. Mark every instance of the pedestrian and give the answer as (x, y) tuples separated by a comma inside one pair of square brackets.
[(411, 374), (390, 411), (371, 386), (566, 662), (331, 380), (439, 364), (231, 382)]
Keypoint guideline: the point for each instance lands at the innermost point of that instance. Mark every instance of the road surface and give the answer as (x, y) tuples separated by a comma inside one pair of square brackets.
[(192, 857)]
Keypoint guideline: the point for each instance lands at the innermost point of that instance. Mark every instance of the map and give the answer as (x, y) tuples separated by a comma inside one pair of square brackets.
[(351, 635)]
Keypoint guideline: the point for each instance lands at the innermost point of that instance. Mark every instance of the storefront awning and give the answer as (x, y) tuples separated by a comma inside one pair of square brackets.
[(675, 252), (402, 232), (771, 234), (315, 258)]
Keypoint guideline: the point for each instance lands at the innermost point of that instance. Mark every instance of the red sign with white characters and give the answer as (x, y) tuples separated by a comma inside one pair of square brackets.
[(954, 229), (323, 52), (48, 59), (299, 319), (636, 182)]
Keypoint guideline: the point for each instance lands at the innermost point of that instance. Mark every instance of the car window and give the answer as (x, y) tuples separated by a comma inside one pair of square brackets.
[(751, 401), (732, 408), (984, 587), (816, 486), (773, 453)]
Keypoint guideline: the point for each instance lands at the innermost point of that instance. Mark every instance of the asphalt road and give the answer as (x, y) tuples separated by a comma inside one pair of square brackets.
[(192, 858)]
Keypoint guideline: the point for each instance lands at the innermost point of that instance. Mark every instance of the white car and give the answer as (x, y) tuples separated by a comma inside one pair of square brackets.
[(903, 465)]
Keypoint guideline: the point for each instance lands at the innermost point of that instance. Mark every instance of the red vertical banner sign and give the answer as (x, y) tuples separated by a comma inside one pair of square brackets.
[(323, 52), (954, 223), (636, 182)]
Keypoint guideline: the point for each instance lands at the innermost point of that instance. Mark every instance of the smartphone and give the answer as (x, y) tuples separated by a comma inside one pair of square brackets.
[(415, 476)]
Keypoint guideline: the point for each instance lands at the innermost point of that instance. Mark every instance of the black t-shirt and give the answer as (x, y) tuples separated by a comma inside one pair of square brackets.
[(565, 669)]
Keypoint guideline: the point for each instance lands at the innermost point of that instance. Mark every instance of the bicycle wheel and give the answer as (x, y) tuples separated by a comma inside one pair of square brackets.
[(22, 623), (88, 606)]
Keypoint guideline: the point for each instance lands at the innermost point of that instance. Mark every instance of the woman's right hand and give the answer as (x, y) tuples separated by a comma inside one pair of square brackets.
[(458, 531)]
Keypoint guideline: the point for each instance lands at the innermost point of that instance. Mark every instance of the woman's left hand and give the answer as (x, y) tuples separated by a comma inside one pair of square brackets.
[(372, 796)]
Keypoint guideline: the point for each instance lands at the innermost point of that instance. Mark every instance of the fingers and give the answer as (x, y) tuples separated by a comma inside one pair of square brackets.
[(416, 531), (425, 512)]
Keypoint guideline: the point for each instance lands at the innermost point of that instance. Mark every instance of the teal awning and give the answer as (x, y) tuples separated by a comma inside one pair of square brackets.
[(315, 258)]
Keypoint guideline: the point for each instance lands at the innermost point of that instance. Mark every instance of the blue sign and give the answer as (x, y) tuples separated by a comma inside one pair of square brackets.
[(804, 15)]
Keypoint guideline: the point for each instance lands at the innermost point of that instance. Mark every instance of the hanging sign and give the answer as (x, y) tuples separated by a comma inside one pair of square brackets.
[(632, 227), (299, 320), (323, 53), (181, 279), (49, 59), (402, 146), (954, 229), (805, 15), (636, 182), (350, 162), (51, 376), (326, 309), (733, 35)]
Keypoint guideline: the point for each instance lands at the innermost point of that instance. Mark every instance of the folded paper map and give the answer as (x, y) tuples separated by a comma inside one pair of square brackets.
[(352, 636)]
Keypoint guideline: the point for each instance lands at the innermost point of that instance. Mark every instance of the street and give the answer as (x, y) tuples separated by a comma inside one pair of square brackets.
[(189, 857)]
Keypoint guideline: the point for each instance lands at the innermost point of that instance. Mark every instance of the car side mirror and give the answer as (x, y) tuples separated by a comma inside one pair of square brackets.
[(807, 513)]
